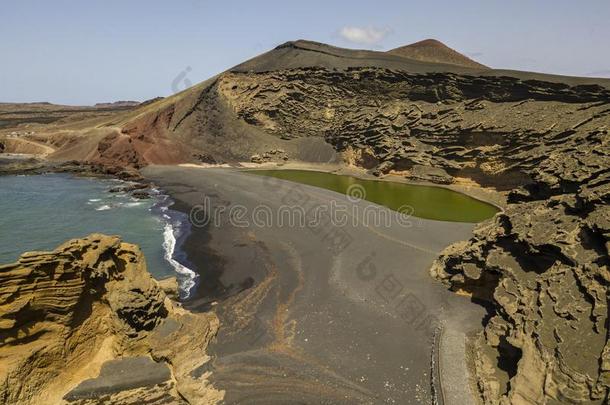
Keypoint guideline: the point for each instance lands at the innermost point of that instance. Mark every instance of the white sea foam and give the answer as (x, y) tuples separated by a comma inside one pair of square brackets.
[(187, 281), (103, 208), (95, 199)]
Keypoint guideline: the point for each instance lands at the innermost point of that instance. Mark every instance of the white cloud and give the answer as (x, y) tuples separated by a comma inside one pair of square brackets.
[(363, 35)]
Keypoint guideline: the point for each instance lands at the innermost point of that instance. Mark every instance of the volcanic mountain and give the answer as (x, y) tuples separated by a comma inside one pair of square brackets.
[(305, 97), (431, 50)]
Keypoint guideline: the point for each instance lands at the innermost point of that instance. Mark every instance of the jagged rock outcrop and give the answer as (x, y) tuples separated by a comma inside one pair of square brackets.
[(274, 155), (494, 130), (66, 313), (542, 266)]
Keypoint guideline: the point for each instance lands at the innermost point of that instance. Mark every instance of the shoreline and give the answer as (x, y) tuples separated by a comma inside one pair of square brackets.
[(194, 297), (191, 249), (176, 229), (487, 195), (174, 224), (193, 252), (180, 256)]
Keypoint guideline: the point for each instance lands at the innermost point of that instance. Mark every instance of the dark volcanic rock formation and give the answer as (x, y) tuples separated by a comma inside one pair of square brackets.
[(117, 104), (543, 268), (494, 130)]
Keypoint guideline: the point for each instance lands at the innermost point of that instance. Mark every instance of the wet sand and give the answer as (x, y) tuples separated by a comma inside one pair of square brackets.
[(324, 313)]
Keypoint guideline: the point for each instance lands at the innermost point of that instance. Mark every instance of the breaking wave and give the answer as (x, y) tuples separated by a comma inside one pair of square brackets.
[(173, 230)]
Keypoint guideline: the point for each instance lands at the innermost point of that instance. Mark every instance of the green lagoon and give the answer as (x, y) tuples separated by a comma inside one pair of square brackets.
[(428, 202)]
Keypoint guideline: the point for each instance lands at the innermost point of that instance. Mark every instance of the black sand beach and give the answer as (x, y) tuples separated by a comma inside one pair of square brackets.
[(325, 313)]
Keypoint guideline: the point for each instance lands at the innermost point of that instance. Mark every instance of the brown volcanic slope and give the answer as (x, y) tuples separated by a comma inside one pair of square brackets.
[(207, 120), (202, 122), (431, 50), (42, 128)]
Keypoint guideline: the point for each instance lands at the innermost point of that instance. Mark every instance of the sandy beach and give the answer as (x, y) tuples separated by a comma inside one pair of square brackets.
[(325, 313)]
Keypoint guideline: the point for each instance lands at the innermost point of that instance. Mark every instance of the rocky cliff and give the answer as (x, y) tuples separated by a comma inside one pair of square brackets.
[(496, 131), (87, 324), (542, 269)]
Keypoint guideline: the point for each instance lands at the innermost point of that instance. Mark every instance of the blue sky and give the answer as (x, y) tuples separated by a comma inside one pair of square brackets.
[(83, 52)]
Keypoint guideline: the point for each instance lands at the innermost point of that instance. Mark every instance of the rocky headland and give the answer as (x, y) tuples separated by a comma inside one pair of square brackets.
[(542, 269), (86, 323)]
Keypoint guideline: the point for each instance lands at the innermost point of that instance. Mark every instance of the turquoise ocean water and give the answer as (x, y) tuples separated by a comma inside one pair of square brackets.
[(41, 212)]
